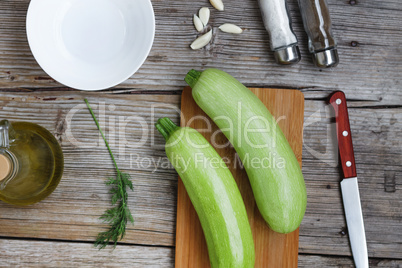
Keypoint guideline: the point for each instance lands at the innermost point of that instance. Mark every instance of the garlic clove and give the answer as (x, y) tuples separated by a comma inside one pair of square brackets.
[(201, 41), (204, 14), (230, 28), (198, 23), (218, 4)]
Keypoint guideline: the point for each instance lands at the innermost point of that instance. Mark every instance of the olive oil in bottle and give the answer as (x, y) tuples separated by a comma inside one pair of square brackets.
[(31, 163)]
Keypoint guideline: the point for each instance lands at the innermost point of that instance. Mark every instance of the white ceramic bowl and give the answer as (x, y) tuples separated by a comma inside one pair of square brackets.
[(90, 44)]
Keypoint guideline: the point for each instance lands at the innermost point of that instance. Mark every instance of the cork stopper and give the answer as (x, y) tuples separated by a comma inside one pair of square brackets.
[(5, 166)]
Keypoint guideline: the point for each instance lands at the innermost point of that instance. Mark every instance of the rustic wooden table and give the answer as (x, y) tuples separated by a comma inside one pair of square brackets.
[(60, 230)]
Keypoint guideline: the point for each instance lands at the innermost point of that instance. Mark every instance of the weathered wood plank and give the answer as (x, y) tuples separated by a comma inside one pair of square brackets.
[(370, 71), (22, 253), (335, 261), (378, 150), (81, 196)]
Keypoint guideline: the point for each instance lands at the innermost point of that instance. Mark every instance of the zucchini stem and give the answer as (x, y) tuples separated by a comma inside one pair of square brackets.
[(166, 127), (192, 77)]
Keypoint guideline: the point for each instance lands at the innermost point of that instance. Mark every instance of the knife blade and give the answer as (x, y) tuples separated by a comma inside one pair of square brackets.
[(349, 185)]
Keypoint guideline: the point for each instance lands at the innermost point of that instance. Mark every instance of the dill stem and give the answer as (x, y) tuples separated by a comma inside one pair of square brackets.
[(103, 136), (118, 216)]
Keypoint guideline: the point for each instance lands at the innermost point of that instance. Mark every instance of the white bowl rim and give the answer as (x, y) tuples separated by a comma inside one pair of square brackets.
[(117, 82)]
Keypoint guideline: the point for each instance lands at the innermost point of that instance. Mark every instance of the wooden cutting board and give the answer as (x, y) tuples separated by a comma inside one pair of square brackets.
[(272, 249)]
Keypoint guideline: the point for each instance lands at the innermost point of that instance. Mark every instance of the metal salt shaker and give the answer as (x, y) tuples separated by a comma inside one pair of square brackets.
[(275, 15)]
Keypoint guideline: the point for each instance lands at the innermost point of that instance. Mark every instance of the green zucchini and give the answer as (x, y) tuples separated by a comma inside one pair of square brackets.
[(214, 194), (278, 185)]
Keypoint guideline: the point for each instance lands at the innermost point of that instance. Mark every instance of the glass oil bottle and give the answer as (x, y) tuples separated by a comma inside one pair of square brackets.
[(31, 162)]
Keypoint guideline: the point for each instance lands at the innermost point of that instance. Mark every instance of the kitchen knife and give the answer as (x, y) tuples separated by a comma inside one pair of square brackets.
[(349, 187)]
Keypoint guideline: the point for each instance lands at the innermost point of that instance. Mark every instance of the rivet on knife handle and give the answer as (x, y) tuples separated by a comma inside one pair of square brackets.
[(338, 102)]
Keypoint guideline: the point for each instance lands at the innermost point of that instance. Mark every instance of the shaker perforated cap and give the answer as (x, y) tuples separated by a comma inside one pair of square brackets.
[(327, 58), (288, 55)]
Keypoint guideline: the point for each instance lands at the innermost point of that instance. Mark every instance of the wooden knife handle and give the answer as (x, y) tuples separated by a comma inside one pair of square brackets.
[(345, 145)]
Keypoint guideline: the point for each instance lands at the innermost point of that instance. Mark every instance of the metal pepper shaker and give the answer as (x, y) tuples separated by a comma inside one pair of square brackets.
[(317, 24), (275, 15)]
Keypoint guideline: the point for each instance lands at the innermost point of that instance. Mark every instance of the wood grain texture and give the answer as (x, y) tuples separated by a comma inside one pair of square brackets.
[(367, 71), (336, 261), (67, 254), (378, 154), (369, 43), (271, 249), (82, 197), (21, 254)]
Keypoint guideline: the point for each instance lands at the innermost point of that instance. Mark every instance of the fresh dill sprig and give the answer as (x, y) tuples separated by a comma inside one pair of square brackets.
[(118, 216)]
